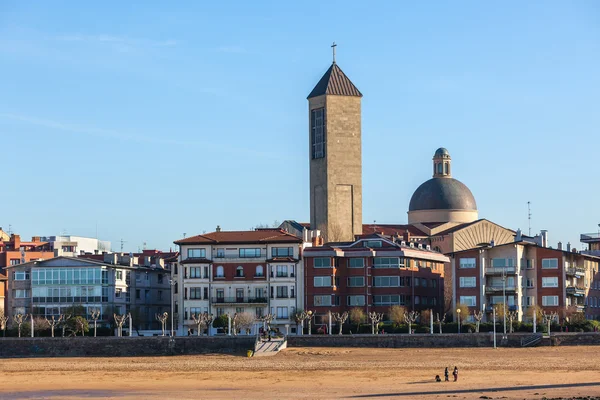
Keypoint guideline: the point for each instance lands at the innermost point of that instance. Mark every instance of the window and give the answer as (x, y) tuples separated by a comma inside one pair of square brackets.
[(119, 275), (386, 300), (417, 282), (467, 281), (549, 263), (434, 283), (317, 132), (356, 301), (249, 253), (386, 281), (549, 300), (468, 301), (549, 281), (530, 301), (322, 262), (21, 276), (282, 292), (220, 253), (322, 300), (322, 281), (467, 263), (387, 262), (15, 261), (529, 264), (196, 253), (282, 313), (418, 300), (137, 294), (282, 252), (220, 272), (195, 293), (356, 281), (160, 295), (259, 271), (372, 243), (529, 282), (20, 293), (160, 278), (195, 272), (239, 272), (118, 293), (357, 263), (423, 282), (502, 262), (282, 271)]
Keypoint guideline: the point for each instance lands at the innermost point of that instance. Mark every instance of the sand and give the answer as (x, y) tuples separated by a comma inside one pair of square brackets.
[(313, 373)]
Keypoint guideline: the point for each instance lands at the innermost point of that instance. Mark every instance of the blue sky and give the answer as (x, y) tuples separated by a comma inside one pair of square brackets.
[(150, 119)]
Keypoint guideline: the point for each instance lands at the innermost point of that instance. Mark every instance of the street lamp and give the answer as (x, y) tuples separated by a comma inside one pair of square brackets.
[(172, 283), (458, 313), (504, 298), (494, 312)]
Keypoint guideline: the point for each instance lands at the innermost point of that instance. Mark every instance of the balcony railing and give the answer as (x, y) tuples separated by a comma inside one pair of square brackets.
[(501, 270), (575, 271), (236, 256), (575, 290), (239, 300), (499, 288), (490, 308)]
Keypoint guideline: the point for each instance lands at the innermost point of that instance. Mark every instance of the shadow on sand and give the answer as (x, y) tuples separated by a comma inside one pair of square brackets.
[(480, 390)]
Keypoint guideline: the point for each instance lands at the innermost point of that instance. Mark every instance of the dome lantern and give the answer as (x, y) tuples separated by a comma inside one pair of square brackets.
[(441, 163)]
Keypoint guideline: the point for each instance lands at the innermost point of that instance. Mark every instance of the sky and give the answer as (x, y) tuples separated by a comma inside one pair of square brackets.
[(146, 120)]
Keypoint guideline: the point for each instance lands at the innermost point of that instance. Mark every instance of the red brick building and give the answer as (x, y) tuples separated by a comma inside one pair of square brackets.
[(375, 272)]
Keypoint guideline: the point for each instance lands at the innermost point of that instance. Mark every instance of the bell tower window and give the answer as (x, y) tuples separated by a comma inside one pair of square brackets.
[(317, 133), (439, 168), (446, 168)]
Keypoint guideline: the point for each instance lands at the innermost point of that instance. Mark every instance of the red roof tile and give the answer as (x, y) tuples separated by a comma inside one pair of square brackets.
[(257, 236)]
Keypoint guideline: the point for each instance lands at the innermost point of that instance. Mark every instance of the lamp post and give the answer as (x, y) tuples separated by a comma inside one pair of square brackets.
[(494, 313), (504, 298), (458, 314), (172, 283)]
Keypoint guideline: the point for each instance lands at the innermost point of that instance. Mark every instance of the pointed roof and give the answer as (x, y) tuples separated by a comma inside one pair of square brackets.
[(335, 83)]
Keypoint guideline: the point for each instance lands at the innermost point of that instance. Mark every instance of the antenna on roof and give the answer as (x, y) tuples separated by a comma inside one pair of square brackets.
[(184, 235), (529, 216), (122, 243), (9, 229)]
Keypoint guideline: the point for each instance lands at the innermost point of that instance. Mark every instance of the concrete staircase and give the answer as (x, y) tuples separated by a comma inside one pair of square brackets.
[(532, 340), (266, 348)]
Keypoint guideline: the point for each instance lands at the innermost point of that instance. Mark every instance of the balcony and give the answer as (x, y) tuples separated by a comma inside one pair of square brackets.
[(575, 291), (500, 270), (282, 275), (239, 300), (575, 271), (499, 288), (490, 308), (229, 257)]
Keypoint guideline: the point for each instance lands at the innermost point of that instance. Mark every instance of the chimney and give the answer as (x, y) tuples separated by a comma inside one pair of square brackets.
[(35, 239), (218, 228), (519, 236), (560, 245), (568, 246), (16, 239), (544, 233), (406, 236), (96, 251), (82, 252)]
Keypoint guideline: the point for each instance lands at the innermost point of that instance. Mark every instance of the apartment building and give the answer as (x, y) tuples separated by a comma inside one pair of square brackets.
[(374, 272), (117, 285), (227, 272), (524, 274)]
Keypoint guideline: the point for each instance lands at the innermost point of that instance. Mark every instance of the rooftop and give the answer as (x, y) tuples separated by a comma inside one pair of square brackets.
[(335, 83), (260, 236)]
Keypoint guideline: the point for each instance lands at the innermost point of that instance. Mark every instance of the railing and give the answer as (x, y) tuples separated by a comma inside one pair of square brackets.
[(239, 300), (499, 288), (575, 290), (575, 271), (235, 256), (501, 270), (531, 340)]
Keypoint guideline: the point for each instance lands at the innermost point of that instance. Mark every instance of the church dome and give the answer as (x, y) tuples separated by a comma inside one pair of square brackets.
[(442, 151), (442, 194)]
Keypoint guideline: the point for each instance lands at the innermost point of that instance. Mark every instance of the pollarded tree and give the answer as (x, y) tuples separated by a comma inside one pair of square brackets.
[(410, 319), (357, 316), (244, 321), (440, 320), (340, 319), (478, 316)]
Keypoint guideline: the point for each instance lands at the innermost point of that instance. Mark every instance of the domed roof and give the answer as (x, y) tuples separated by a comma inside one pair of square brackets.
[(442, 194), (442, 151)]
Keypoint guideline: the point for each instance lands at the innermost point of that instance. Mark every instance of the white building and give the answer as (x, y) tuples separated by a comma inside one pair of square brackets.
[(239, 271), (77, 244)]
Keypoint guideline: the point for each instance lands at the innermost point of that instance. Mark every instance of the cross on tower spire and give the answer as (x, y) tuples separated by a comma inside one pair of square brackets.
[(333, 46)]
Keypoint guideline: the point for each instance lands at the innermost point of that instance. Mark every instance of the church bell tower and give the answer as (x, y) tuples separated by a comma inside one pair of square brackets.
[(335, 157)]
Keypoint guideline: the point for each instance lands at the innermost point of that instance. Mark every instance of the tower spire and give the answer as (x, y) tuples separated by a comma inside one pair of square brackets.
[(333, 46)]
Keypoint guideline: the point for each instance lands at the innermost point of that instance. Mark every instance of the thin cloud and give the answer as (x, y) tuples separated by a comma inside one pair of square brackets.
[(111, 134)]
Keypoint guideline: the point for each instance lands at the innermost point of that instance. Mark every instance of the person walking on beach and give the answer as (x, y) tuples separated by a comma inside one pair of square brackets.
[(446, 375), (455, 373)]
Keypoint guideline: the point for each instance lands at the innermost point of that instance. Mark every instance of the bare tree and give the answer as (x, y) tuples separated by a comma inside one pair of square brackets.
[(65, 321), (478, 315), (410, 318), (163, 320), (397, 315), (302, 316), (244, 321), (440, 321), (340, 319), (548, 318), (95, 314), (20, 319), (53, 323), (3, 322), (375, 319), (266, 320), (207, 319), (357, 316), (511, 316), (82, 325), (119, 320)]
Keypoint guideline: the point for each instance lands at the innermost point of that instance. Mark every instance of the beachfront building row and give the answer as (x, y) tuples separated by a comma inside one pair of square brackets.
[(525, 275), (227, 272), (118, 284), (373, 273)]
